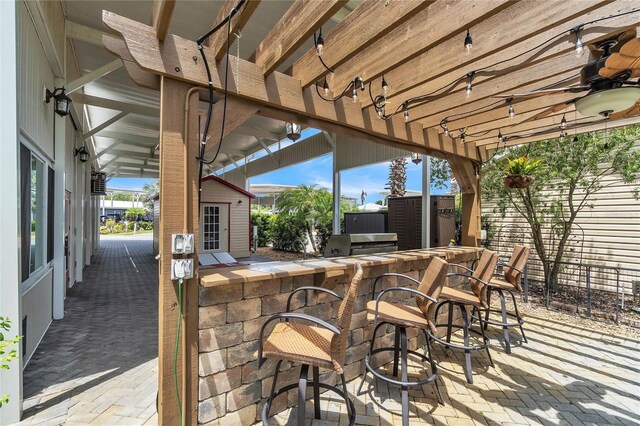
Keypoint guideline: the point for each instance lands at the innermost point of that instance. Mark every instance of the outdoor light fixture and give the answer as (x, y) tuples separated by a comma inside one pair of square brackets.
[(293, 131), (563, 122), (385, 86), (63, 102), (606, 102), (446, 129), (320, 43), (82, 154), (468, 41), (325, 86), (512, 111), (415, 158), (354, 95), (406, 112), (579, 49), (469, 84)]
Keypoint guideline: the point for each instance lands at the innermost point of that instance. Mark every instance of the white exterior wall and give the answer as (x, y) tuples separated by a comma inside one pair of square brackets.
[(239, 216)]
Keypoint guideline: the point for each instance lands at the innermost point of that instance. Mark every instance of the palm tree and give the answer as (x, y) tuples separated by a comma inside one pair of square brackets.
[(397, 177), (301, 201)]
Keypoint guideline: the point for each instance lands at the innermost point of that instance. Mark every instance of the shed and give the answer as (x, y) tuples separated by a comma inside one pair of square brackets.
[(225, 218)]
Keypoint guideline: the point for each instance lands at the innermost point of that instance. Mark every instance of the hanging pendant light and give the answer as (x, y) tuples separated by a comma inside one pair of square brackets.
[(385, 86), (320, 43), (293, 131), (563, 122), (325, 86), (415, 158), (468, 41)]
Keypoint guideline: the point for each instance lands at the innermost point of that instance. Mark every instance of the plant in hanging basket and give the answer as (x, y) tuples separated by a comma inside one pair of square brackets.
[(518, 172)]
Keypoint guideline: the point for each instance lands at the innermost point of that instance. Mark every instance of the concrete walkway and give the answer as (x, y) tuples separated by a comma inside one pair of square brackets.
[(99, 364)]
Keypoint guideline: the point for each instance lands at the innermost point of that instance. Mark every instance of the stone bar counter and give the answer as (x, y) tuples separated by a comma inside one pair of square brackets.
[(235, 302)]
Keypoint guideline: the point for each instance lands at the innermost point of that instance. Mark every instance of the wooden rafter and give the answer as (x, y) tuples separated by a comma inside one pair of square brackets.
[(238, 112), (368, 22), (418, 34), (299, 22), (530, 21), (141, 77), (112, 104), (97, 129), (173, 58), (218, 41), (161, 19)]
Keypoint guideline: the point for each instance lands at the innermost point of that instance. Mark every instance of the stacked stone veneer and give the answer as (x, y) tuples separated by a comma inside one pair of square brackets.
[(231, 388)]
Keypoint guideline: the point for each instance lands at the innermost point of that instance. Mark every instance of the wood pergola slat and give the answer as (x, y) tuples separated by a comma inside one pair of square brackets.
[(218, 41), (299, 22), (418, 34), (161, 18), (173, 58), (368, 22)]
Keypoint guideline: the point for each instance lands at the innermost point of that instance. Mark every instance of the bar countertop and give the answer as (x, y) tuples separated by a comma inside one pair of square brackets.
[(274, 270)]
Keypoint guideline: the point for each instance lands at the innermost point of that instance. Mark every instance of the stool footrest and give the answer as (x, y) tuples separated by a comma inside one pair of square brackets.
[(373, 371), (486, 344)]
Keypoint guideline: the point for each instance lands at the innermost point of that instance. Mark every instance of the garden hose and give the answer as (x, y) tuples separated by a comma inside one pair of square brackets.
[(175, 355)]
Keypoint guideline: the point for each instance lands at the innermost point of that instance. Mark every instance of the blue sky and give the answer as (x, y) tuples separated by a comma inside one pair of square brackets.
[(370, 179)]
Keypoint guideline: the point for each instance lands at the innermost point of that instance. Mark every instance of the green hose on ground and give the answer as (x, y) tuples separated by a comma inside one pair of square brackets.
[(175, 356)]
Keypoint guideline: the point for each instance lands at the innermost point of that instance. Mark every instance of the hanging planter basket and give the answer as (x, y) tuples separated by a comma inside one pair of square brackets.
[(518, 181)]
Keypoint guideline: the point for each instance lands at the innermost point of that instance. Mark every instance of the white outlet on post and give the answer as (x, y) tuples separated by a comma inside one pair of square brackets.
[(182, 243), (181, 268)]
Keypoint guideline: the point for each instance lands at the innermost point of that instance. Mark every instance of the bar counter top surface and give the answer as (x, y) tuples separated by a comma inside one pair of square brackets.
[(273, 270)]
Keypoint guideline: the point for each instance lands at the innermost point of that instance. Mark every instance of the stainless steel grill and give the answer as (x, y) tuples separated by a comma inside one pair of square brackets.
[(352, 244)]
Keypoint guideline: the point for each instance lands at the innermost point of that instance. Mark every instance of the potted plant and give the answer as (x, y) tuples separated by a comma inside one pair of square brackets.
[(518, 172)]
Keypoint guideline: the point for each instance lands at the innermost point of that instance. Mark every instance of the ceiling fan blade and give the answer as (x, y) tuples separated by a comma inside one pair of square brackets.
[(544, 92), (621, 62), (631, 48), (555, 108), (629, 112)]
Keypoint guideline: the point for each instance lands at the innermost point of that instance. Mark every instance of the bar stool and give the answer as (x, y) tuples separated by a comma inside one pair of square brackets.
[(479, 281), (320, 345), (510, 282), (403, 316)]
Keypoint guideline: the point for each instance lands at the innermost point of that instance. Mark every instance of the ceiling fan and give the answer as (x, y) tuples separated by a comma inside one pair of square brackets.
[(611, 93)]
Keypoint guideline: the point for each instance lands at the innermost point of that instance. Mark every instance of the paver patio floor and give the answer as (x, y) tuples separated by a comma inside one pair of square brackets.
[(99, 364)]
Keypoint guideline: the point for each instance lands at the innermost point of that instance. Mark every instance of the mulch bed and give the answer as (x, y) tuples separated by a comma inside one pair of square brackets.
[(281, 255)]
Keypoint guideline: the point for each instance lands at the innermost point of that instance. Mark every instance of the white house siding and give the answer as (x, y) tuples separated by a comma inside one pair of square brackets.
[(214, 192), (611, 235)]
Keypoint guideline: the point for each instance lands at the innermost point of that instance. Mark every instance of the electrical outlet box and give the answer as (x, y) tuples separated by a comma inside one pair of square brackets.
[(181, 268), (182, 243)]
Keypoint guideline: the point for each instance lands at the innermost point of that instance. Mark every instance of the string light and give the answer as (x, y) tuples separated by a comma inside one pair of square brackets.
[(325, 86), (500, 137), (406, 112), (563, 122), (562, 134), (468, 42), (469, 84), (579, 48), (512, 111), (355, 93), (320, 43), (446, 129), (462, 135), (385, 86)]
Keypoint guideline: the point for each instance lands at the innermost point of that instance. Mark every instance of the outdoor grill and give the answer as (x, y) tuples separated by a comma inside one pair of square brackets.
[(352, 244)]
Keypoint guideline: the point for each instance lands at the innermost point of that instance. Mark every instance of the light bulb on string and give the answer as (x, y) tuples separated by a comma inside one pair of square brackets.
[(468, 42), (563, 122), (500, 137), (446, 129), (354, 95), (325, 86), (562, 134), (512, 111), (579, 47), (320, 43), (385, 86), (462, 135), (406, 112), (469, 84)]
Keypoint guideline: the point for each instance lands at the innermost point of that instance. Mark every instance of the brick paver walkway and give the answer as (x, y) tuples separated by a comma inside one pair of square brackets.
[(565, 375), (99, 364)]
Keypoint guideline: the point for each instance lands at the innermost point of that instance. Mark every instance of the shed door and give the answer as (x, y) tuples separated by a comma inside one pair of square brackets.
[(214, 228)]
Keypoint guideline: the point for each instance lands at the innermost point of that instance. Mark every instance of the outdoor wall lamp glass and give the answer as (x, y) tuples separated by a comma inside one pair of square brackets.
[(293, 131), (82, 153), (415, 158), (63, 102)]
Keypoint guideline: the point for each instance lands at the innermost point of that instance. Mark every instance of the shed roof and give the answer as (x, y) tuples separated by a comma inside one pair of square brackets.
[(228, 184)]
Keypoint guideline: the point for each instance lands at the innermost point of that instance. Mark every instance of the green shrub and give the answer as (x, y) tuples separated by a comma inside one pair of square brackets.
[(118, 228), (131, 226), (145, 225), (289, 233), (265, 224), (104, 230)]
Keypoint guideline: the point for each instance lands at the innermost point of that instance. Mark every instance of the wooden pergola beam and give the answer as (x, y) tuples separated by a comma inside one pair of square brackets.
[(298, 23), (368, 22), (139, 76), (529, 24), (421, 33), (218, 41), (238, 112), (161, 18), (173, 58)]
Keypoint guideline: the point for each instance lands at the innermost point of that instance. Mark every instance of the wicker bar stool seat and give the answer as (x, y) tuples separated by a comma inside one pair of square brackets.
[(510, 282), (476, 298), (403, 316), (316, 345)]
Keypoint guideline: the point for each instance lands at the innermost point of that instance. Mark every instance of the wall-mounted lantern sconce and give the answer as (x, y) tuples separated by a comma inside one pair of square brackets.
[(82, 153), (293, 131), (415, 158), (63, 102)]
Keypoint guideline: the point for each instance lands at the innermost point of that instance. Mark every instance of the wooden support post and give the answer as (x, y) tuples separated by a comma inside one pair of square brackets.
[(465, 174), (178, 214)]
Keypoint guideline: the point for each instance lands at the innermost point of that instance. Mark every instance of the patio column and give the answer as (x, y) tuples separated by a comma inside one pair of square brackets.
[(178, 214), (426, 201), (59, 276), (336, 193), (10, 300), (468, 180)]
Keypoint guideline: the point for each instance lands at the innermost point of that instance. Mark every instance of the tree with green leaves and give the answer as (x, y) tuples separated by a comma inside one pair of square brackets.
[(150, 191), (574, 169), (6, 354)]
